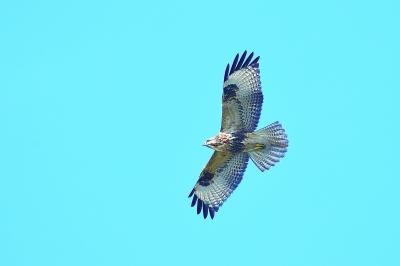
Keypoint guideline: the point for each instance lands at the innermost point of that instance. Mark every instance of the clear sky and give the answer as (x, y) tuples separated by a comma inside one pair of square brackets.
[(104, 107)]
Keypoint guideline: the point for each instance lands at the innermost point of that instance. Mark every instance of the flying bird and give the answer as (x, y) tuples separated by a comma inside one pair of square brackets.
[(238, 139)]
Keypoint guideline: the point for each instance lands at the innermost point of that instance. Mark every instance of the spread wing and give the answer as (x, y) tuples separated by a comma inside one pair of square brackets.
[(218, 180), (242, 97)]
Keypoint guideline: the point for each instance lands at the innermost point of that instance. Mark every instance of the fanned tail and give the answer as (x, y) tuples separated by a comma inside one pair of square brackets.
[(273, 148)]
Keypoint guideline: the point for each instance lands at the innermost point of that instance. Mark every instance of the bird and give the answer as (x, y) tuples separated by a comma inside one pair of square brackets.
[(238, 139)]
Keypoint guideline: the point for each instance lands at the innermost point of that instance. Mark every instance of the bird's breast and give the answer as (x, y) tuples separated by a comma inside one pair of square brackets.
[(232, 142)]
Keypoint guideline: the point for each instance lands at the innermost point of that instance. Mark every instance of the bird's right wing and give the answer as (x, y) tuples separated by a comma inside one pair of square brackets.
[(218, 180), (242, 97)]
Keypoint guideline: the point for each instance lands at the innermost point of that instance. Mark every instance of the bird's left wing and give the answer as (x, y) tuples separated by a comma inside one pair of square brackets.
[(218, 180)]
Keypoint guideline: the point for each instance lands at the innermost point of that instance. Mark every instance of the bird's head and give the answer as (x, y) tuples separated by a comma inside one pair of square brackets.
[(213, 143)]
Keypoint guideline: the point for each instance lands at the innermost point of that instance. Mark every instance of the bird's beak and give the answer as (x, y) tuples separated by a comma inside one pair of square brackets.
[(204, 144)]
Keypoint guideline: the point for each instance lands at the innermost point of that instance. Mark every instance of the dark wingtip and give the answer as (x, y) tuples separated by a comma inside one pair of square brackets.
[(239, 65), (191, 193), (194, 200), (233, 68), (246, 63), (212, 213), (205, 210), (199, 206), (226, 72), (255, 61)]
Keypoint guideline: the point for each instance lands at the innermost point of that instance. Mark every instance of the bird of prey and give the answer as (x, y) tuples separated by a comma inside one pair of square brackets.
[(238, 139)]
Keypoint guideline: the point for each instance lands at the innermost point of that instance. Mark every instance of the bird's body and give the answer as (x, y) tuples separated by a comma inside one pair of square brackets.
[(237, 140)]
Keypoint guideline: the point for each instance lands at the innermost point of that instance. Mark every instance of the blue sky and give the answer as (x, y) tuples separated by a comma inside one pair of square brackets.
[(104, 107)]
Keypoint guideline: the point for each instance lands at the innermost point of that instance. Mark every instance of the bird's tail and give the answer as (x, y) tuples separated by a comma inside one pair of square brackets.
[(272, 146)]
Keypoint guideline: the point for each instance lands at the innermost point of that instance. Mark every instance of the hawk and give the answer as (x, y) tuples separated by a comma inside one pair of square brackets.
[(238, 139)]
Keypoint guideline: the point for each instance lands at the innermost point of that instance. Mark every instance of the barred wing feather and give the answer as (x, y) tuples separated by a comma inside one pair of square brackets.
[(219, 178), (242, 97)]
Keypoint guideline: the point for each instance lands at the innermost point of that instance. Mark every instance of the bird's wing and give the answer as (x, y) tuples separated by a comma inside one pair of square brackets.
[(242, 97), (218, 180)]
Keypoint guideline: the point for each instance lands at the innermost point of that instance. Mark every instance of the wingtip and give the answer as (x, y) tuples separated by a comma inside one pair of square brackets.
[(194, 201), (255, 61), (202, 207), (191, 193), (199, 206), (240, 64), (233, 68), (226, 73), (212, 213), (205, 210), (246, 63)]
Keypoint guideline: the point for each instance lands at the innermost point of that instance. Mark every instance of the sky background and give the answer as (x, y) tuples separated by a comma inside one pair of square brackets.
[(104, 107)]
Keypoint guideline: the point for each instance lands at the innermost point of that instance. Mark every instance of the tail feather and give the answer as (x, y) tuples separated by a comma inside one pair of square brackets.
[(276, 144)]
